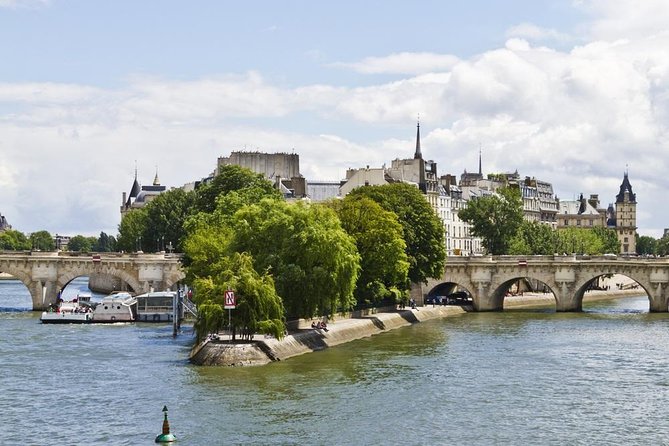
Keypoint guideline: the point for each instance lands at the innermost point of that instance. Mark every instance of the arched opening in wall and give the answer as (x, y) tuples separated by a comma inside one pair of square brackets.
[(448, 293), (14, 294), (76, 287), (613, 293), (525, 293)]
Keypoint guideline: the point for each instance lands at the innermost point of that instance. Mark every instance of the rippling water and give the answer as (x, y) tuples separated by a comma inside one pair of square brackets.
[(517, 377)]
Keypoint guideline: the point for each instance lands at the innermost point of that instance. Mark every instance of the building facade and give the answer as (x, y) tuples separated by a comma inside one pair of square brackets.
[(625, 217)]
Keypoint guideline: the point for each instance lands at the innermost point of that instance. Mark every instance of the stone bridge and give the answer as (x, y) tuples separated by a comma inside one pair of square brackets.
[(45, 273), (489, 278)]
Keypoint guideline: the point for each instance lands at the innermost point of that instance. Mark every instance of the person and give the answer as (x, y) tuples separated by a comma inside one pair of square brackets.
[(324, 326), (413, 303), (313, 324)]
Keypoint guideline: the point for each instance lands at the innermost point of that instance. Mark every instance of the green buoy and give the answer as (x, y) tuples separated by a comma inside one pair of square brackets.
[(165, 437)]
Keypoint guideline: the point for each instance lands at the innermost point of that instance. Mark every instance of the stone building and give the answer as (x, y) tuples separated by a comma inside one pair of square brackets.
[(624, 218), (140, 195), (4, 225), (283, 169), (581, 213), (442, 194)]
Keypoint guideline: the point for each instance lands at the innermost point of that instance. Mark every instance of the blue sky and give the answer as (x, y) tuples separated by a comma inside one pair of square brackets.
[(571, 92)]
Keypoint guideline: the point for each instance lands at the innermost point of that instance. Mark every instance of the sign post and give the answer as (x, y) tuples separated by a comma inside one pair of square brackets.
[(230, 304)]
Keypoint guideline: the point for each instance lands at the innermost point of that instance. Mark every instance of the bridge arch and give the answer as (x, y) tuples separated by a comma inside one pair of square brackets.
[(84, 271), (586, 282), (25, 278), (500, 292)]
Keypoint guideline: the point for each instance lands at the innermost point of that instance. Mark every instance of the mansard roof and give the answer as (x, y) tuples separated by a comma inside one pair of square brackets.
[(625, 187)]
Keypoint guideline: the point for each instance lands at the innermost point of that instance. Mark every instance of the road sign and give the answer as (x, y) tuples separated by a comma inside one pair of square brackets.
[(230, 300)]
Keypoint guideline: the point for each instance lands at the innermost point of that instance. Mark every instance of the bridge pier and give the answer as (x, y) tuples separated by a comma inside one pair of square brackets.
[(659, 298), (43, 294)]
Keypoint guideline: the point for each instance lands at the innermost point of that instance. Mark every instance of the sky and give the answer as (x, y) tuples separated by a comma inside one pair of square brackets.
[(571, 92)]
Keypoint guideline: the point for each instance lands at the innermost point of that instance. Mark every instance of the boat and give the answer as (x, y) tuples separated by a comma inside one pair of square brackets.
[(117, 307), (156, 306), (76, 311)]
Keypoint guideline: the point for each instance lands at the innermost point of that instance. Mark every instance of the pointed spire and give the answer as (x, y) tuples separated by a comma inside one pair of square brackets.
[(156, 181), (418, 155), (480, 166)]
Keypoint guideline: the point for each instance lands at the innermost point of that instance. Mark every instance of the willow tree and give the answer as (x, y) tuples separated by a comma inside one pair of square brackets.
[(422, 230), (379, 238), (258, 309), (314, 262)]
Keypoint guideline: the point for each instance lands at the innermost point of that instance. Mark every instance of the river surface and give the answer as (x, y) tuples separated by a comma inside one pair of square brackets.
[(509, 378)]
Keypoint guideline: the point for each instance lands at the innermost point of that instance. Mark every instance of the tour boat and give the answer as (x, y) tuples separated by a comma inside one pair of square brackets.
[(118, 307), (76, 311)]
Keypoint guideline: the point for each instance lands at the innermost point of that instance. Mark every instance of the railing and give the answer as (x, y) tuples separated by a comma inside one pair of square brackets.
[(190, 307)]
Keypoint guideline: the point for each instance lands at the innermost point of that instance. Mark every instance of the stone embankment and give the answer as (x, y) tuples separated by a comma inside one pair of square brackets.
[(305, 339)]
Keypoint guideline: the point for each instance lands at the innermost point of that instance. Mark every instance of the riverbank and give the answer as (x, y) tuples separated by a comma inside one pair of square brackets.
[(306, 339), (222, 352)]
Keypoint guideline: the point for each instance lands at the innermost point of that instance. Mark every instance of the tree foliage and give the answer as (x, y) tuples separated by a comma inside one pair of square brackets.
[(379, 239), (131, 230), (315, 264), (495, 218), (533, 238), (165, 218), (422, 230), (42, 240), (105, 243), (80, 243), (259, 309), (13, 240), (646, 245), (231, 178)]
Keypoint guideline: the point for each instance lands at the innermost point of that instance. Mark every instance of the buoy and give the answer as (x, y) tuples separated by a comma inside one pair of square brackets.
[(165, 437)]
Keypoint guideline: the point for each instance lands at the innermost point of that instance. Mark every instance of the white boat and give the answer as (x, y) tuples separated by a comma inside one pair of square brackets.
[(76, 311), (156, 306), (118, 307)]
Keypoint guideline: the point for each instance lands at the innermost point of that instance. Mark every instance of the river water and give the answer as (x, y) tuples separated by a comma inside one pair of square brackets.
[(514, 377)]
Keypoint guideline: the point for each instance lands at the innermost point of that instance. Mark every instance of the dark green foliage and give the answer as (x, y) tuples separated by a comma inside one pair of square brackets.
[(422, 230), (495, 219), (80, 243), (105, 243), (378, 237), (231, 178), (13, 240), (42, 241)]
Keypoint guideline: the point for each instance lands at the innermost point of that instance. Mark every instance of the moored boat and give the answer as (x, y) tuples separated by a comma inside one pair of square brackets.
[(76, 311), (118, 307)]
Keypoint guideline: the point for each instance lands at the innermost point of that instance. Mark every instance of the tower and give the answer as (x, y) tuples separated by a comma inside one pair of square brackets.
[(626, 217), (418, 155)]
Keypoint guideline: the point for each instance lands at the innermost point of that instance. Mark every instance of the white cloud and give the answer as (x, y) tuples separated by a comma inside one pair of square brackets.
[(574, 117), (538, 34), (402, 63)]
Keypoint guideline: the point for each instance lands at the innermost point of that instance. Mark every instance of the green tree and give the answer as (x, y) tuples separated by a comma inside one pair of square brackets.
[(663, 246), (533, 238), (131, 231), (13, 240), (379, 239), (165, 218), (609, 239), (422, 230), (495, 218), (231, 178), (79, 243), (105, 243), (259, 309), (314, 262), (646, 245), (43, 241)]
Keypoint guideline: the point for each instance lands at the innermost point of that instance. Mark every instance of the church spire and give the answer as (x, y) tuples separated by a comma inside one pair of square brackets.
[(480, 166), (418, 155)]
